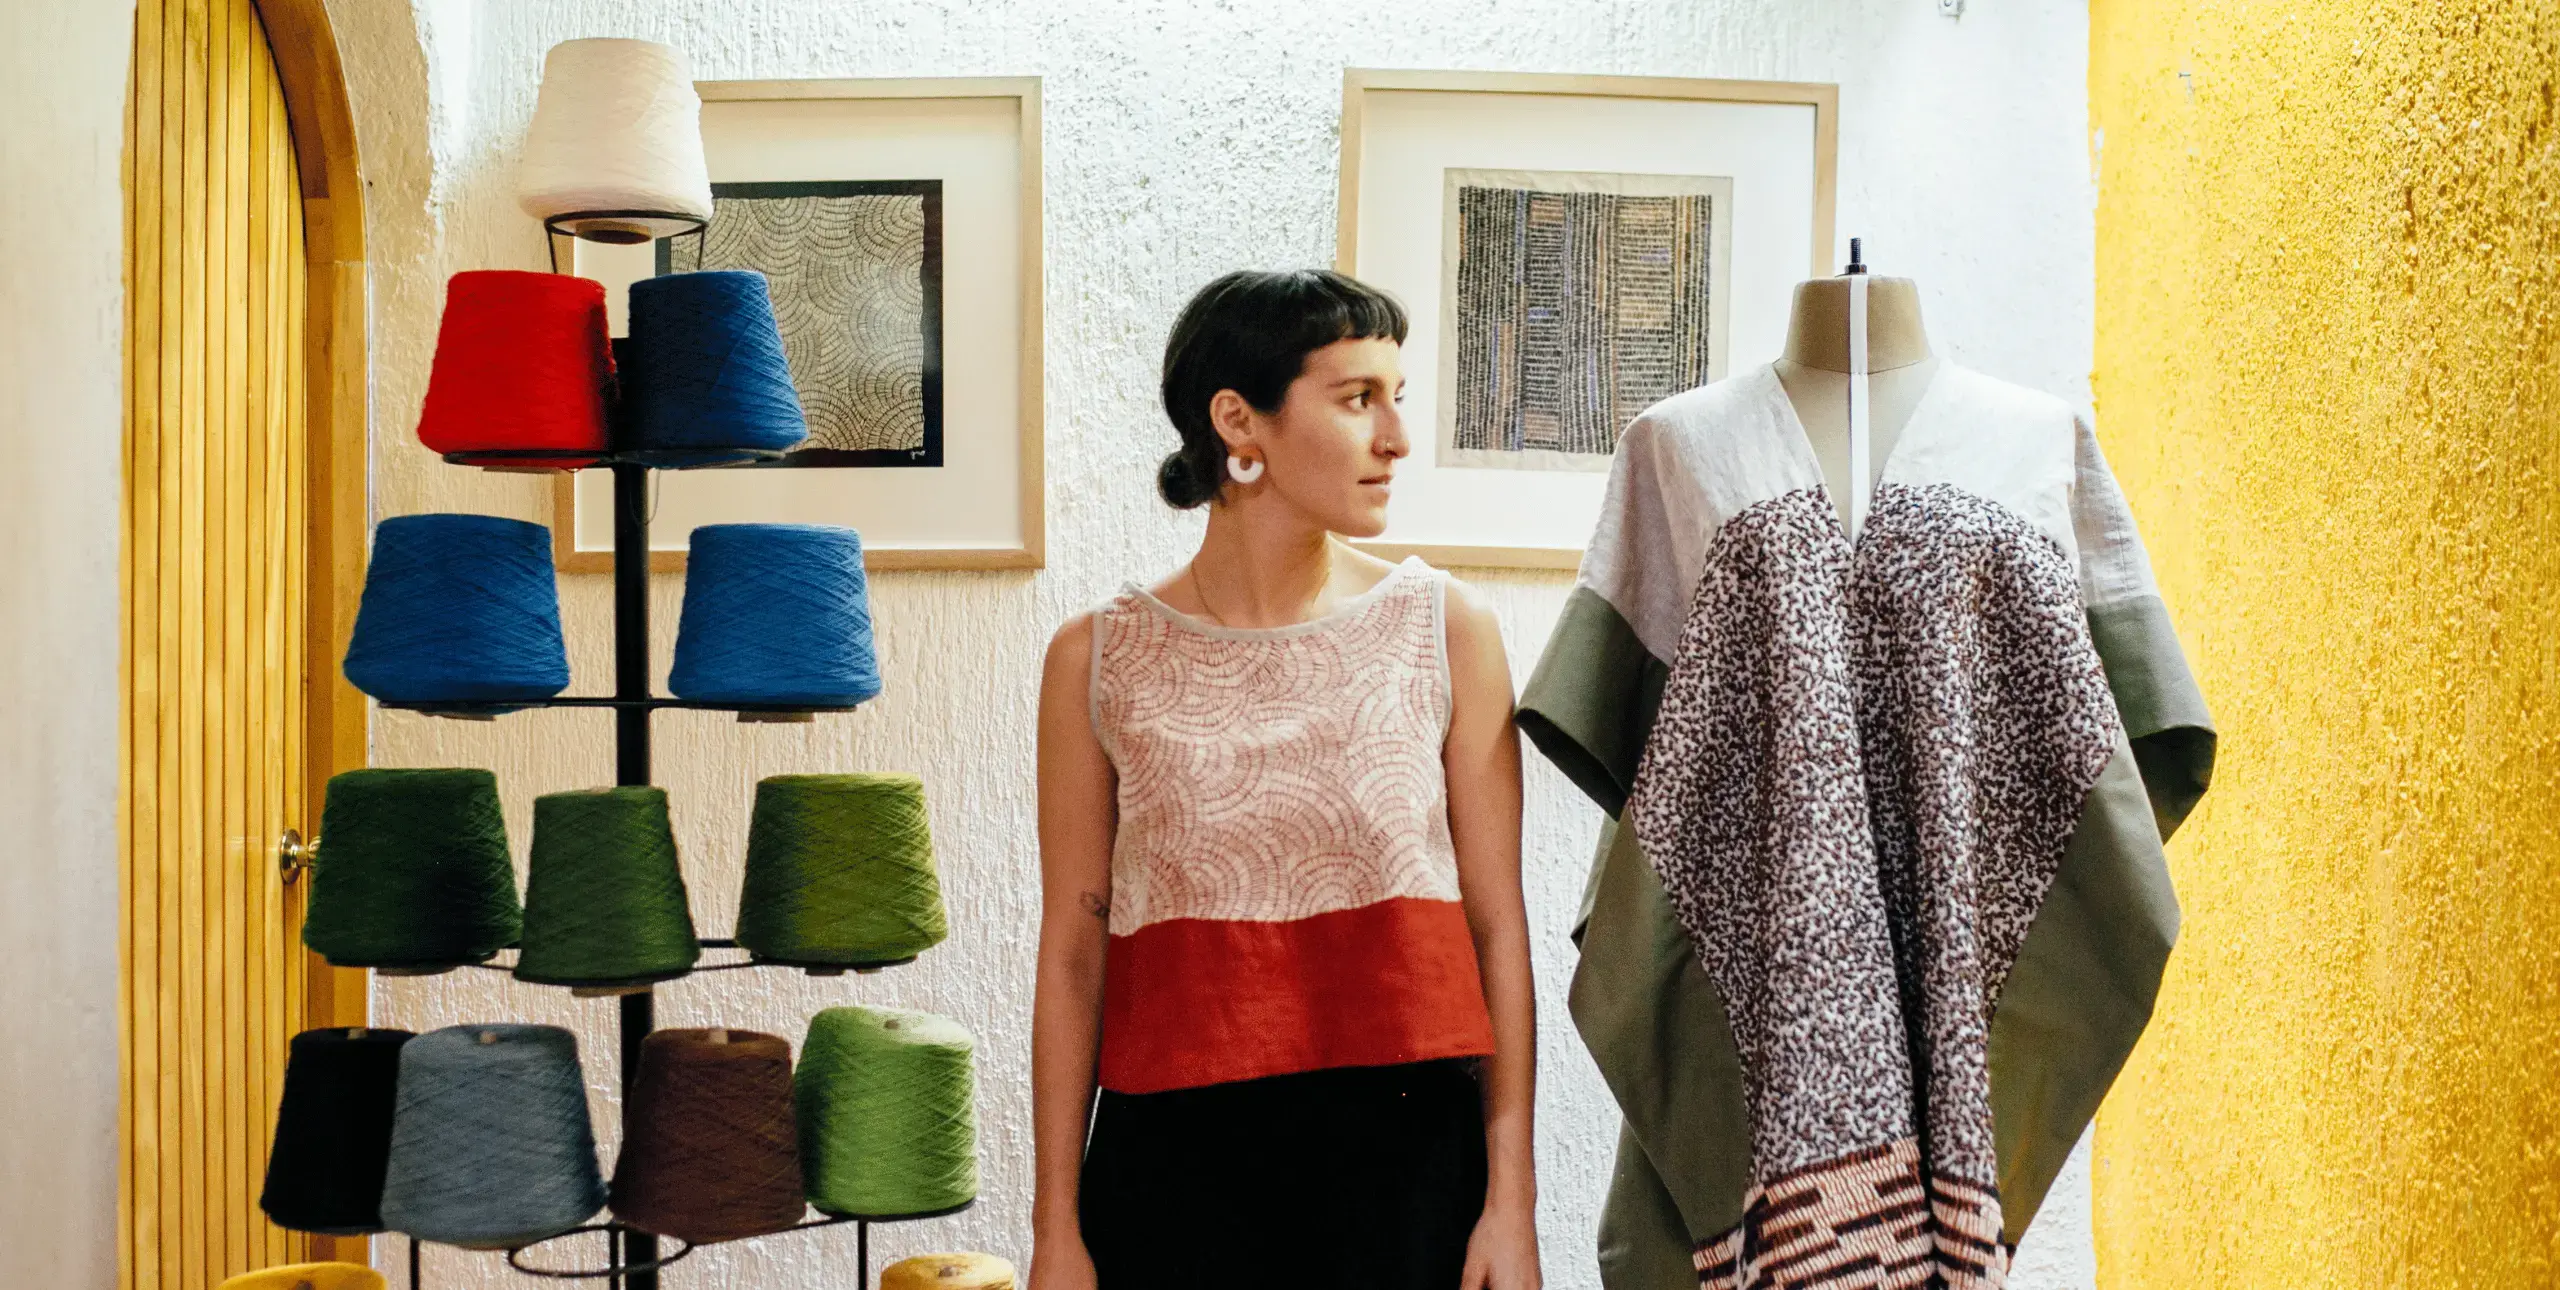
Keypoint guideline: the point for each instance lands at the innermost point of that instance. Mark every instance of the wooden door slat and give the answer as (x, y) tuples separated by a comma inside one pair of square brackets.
[(139, 1115), (251, 1093), (184, 878), (240, 503), (169, 1243)]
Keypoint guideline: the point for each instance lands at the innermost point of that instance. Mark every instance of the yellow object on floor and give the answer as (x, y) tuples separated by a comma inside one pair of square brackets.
[(313, 1276), (947, 1272)]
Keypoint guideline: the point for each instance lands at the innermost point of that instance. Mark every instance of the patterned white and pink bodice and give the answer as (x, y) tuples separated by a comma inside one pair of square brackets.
[(1284, 894)]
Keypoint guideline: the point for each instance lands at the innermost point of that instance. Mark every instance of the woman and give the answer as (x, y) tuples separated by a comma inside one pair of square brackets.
[(1280, 804)]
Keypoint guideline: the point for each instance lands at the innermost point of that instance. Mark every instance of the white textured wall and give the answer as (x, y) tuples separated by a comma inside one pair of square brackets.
[(62, 93), (1182, 140)]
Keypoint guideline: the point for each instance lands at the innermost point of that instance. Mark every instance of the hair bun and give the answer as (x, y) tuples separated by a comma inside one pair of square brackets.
[(1181, 484)]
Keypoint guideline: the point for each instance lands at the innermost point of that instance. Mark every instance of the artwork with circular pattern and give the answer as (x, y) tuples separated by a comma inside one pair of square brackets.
[(855, 270)]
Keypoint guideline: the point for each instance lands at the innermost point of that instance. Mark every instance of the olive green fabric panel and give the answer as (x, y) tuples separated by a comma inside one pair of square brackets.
[(1590, 704), (2164, 713), (2082, 990), (1658, 1031), (2076, 1002), (1643, 1006), (1642, 1245)]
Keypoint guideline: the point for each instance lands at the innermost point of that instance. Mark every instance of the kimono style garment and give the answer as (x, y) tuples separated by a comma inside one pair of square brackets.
[(1882, 907)]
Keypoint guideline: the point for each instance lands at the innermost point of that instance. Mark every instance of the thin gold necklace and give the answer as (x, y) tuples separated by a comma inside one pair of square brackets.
[(1192, 571)]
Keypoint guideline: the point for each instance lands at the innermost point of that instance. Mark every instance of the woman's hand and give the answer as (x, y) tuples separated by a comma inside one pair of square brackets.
[(1059, 1261), (1501, 1255)]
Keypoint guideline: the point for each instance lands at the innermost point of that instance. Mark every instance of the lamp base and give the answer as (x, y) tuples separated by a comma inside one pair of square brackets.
[(611, 232), (620, 228)]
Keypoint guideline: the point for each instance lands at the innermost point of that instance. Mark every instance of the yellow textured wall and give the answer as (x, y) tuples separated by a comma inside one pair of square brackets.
[(2328, 243)]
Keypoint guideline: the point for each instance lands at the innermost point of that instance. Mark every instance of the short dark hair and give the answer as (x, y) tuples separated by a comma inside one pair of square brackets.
[(1251, 331)]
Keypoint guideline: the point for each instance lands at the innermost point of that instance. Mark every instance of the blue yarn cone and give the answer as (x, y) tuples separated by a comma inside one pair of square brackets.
[(775, 614), (490, 1141), (705, 368), (458, 609)]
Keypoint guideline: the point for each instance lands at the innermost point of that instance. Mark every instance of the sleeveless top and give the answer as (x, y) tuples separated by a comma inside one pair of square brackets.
[(1284, 895)]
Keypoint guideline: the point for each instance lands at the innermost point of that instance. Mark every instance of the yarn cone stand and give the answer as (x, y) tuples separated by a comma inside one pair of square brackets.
[(634, 1257)]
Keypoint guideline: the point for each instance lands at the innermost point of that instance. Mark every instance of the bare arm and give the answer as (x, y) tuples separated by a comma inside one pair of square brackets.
[(1482, 759), (1077, 816)]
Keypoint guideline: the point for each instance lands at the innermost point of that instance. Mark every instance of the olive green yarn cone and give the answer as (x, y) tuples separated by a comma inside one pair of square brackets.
[(886, 1102), (840, 871), (412, 871), (605, 902)]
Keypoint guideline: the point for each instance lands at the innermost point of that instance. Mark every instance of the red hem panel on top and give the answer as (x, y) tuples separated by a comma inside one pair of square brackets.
[(1195, 1001)]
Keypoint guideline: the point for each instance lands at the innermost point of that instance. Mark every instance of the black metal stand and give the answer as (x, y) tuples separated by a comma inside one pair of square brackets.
[(631, 767), (615, 1271), (619, 1239)]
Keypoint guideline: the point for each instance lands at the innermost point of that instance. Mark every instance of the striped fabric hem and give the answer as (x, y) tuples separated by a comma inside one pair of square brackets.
[(1869, 1220)]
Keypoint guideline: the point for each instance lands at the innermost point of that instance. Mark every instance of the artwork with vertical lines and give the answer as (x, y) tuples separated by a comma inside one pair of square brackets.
[(1573, 301)]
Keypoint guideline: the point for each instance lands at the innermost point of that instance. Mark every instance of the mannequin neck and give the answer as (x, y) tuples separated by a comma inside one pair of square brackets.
[(1815, 373), (1818, 330)]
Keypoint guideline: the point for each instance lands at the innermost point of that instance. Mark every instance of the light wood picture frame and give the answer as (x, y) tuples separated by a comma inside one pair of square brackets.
[(1408, 135), (983, 506)]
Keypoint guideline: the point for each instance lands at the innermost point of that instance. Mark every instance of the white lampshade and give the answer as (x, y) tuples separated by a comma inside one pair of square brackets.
[(618, 128)]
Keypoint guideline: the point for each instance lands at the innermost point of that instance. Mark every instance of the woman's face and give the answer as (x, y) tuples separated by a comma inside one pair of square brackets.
[(1330, 450)]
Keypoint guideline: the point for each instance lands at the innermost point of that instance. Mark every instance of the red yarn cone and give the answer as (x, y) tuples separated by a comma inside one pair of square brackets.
[(521, 362)]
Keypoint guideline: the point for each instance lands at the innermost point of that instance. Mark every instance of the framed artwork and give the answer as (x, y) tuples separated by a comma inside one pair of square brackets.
[(1571, 250), (855, 270), (897, 223), (1571, 301)]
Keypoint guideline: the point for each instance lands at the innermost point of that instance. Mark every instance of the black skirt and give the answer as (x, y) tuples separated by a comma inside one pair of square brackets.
[(1362, 1178)]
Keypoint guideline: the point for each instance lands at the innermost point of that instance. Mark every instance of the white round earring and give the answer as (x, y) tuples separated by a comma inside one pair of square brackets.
[(1243, 470)]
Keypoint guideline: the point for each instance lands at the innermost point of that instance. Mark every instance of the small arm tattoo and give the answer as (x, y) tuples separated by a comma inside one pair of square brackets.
[(1096, 904)]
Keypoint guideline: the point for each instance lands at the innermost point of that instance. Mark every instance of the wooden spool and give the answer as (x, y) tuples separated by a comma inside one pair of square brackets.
[(949, 1272)]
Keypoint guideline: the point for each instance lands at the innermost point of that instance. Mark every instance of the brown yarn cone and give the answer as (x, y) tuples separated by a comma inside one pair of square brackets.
[(712, 1153)]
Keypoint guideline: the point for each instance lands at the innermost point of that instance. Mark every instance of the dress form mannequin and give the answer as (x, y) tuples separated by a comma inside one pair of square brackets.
[(1815, 371)]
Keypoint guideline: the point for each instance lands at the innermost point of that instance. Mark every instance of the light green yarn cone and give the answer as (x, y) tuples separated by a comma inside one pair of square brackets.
[(887, 1108)]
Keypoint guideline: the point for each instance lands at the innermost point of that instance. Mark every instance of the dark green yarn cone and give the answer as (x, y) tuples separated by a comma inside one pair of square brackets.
[(412, 871), (605, 902), (840, 871)]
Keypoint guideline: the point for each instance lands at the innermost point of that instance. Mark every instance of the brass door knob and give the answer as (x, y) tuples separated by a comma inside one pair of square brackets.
[(293, 855)]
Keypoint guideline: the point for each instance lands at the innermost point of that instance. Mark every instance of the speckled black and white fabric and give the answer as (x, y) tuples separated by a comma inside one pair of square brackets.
[(1867, 763)]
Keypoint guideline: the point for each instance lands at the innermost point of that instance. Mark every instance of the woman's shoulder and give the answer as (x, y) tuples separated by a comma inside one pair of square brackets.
[(1469, 607), (1070, 656), (1074, 637), (1073, 645), (1467, 619)]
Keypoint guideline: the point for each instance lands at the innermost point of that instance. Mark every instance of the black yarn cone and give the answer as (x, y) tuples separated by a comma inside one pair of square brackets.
[(333, 1131)]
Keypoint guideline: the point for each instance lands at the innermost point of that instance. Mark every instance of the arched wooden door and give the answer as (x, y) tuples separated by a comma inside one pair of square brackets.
[(243, 431)]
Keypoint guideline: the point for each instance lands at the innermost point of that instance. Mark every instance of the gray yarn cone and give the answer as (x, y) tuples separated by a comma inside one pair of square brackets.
[(490, 1142)]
